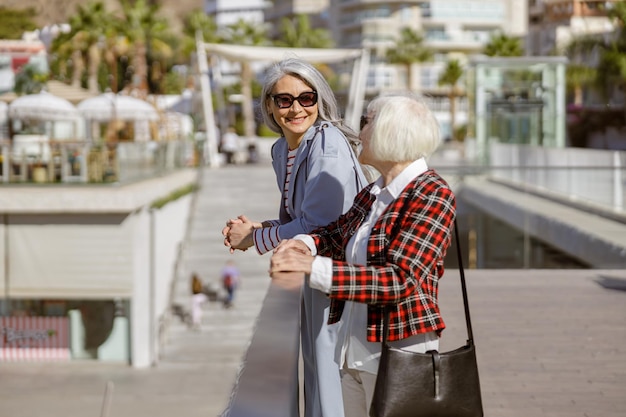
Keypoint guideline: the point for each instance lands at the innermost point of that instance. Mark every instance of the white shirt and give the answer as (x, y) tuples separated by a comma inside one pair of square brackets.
[(356, 352)]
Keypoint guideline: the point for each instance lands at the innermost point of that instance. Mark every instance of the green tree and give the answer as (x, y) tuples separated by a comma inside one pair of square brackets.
[(450, 77), (610, 71), (194, 22), (15, 22), (501, 44), (114, 56), (148, 34), (29, 80), (298, 33), (173, 83), (246, 33), (82, 44), (409, 50), (579, 74)]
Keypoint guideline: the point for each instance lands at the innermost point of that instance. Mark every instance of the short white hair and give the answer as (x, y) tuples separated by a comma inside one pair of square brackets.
[(403, 128)]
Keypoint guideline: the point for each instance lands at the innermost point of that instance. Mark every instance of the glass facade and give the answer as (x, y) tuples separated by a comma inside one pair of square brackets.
[(517, 100)]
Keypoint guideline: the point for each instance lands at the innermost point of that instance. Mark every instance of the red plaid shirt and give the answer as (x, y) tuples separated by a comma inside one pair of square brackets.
[(405, 253)]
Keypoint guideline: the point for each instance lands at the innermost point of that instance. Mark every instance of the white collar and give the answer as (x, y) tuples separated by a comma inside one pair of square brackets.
[(398, 184)]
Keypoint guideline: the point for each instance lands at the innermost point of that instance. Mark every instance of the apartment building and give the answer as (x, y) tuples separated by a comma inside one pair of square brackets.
[(458, 28), (226, 12), (453, 29), (316, 10), (555, 23)]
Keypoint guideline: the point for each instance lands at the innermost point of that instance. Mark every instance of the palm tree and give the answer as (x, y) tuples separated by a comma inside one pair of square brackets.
[(246, 33), (147, 33), (610, 71), (450, 77), (116, 46), (82, 42), (612, 64), (577, 77), (409, 50), (75, 44), (95, 20), (62, 56), (579, 74), (298, 33), (502, 45), (194, 22)]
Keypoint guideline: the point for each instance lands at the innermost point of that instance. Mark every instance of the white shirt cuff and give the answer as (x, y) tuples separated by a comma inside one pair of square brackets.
[(321, 277), (308, 240)]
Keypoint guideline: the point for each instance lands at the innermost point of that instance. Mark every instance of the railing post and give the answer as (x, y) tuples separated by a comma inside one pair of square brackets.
[(5, 163), (618, 187)]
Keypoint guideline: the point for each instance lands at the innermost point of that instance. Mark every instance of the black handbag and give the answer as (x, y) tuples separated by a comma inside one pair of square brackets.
[(431, 384)]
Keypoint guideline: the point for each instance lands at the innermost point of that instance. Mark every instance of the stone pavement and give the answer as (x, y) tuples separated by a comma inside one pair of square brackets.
[(550, 343)]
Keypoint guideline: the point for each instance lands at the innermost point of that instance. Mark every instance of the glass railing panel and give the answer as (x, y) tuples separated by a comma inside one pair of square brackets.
[(86, 162)]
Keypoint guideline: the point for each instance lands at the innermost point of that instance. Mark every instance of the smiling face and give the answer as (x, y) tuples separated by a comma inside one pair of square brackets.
[(294, 120)]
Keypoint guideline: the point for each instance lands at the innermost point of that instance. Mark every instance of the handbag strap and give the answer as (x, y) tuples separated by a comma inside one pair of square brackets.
[(468, 321)]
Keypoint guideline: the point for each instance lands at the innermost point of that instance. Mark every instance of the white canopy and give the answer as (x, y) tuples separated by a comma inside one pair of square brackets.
[(109, 106), (42, 106), (241, 53)]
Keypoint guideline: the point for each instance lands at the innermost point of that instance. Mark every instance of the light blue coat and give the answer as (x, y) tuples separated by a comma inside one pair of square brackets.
[(325, 179)]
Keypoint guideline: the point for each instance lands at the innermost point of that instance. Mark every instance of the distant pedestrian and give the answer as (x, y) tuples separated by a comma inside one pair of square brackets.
[(230, 282), (198, 298), (230, 145)]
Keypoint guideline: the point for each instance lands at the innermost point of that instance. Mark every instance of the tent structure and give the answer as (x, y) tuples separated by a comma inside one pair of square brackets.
[(241, 53), (42, 106), (54, 111), (109, 106)]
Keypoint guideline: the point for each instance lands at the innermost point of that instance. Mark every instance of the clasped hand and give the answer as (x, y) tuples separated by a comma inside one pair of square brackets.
[(238, 233), (291, 255)]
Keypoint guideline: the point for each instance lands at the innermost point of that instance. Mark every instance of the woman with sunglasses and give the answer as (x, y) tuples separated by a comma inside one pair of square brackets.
[(318, 176), (387, 250)]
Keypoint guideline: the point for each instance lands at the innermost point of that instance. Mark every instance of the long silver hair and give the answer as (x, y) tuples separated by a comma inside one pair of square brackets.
[(328, 109)]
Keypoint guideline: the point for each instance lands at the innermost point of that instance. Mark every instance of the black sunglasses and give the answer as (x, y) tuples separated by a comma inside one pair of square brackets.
[(284, 101), (364, 121)]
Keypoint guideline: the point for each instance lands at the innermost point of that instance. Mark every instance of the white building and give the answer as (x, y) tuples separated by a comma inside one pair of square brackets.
[(226, 12), (453, 29), (555, 23)]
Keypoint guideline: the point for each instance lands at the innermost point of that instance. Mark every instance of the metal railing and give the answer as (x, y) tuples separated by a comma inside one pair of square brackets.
[(267, 385), (64, 162), (589, 177)]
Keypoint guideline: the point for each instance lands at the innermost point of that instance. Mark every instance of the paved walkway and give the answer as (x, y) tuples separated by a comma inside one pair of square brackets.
[(550, 343)]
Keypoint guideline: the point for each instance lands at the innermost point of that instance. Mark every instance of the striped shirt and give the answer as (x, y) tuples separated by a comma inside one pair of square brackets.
[(266, 238)]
